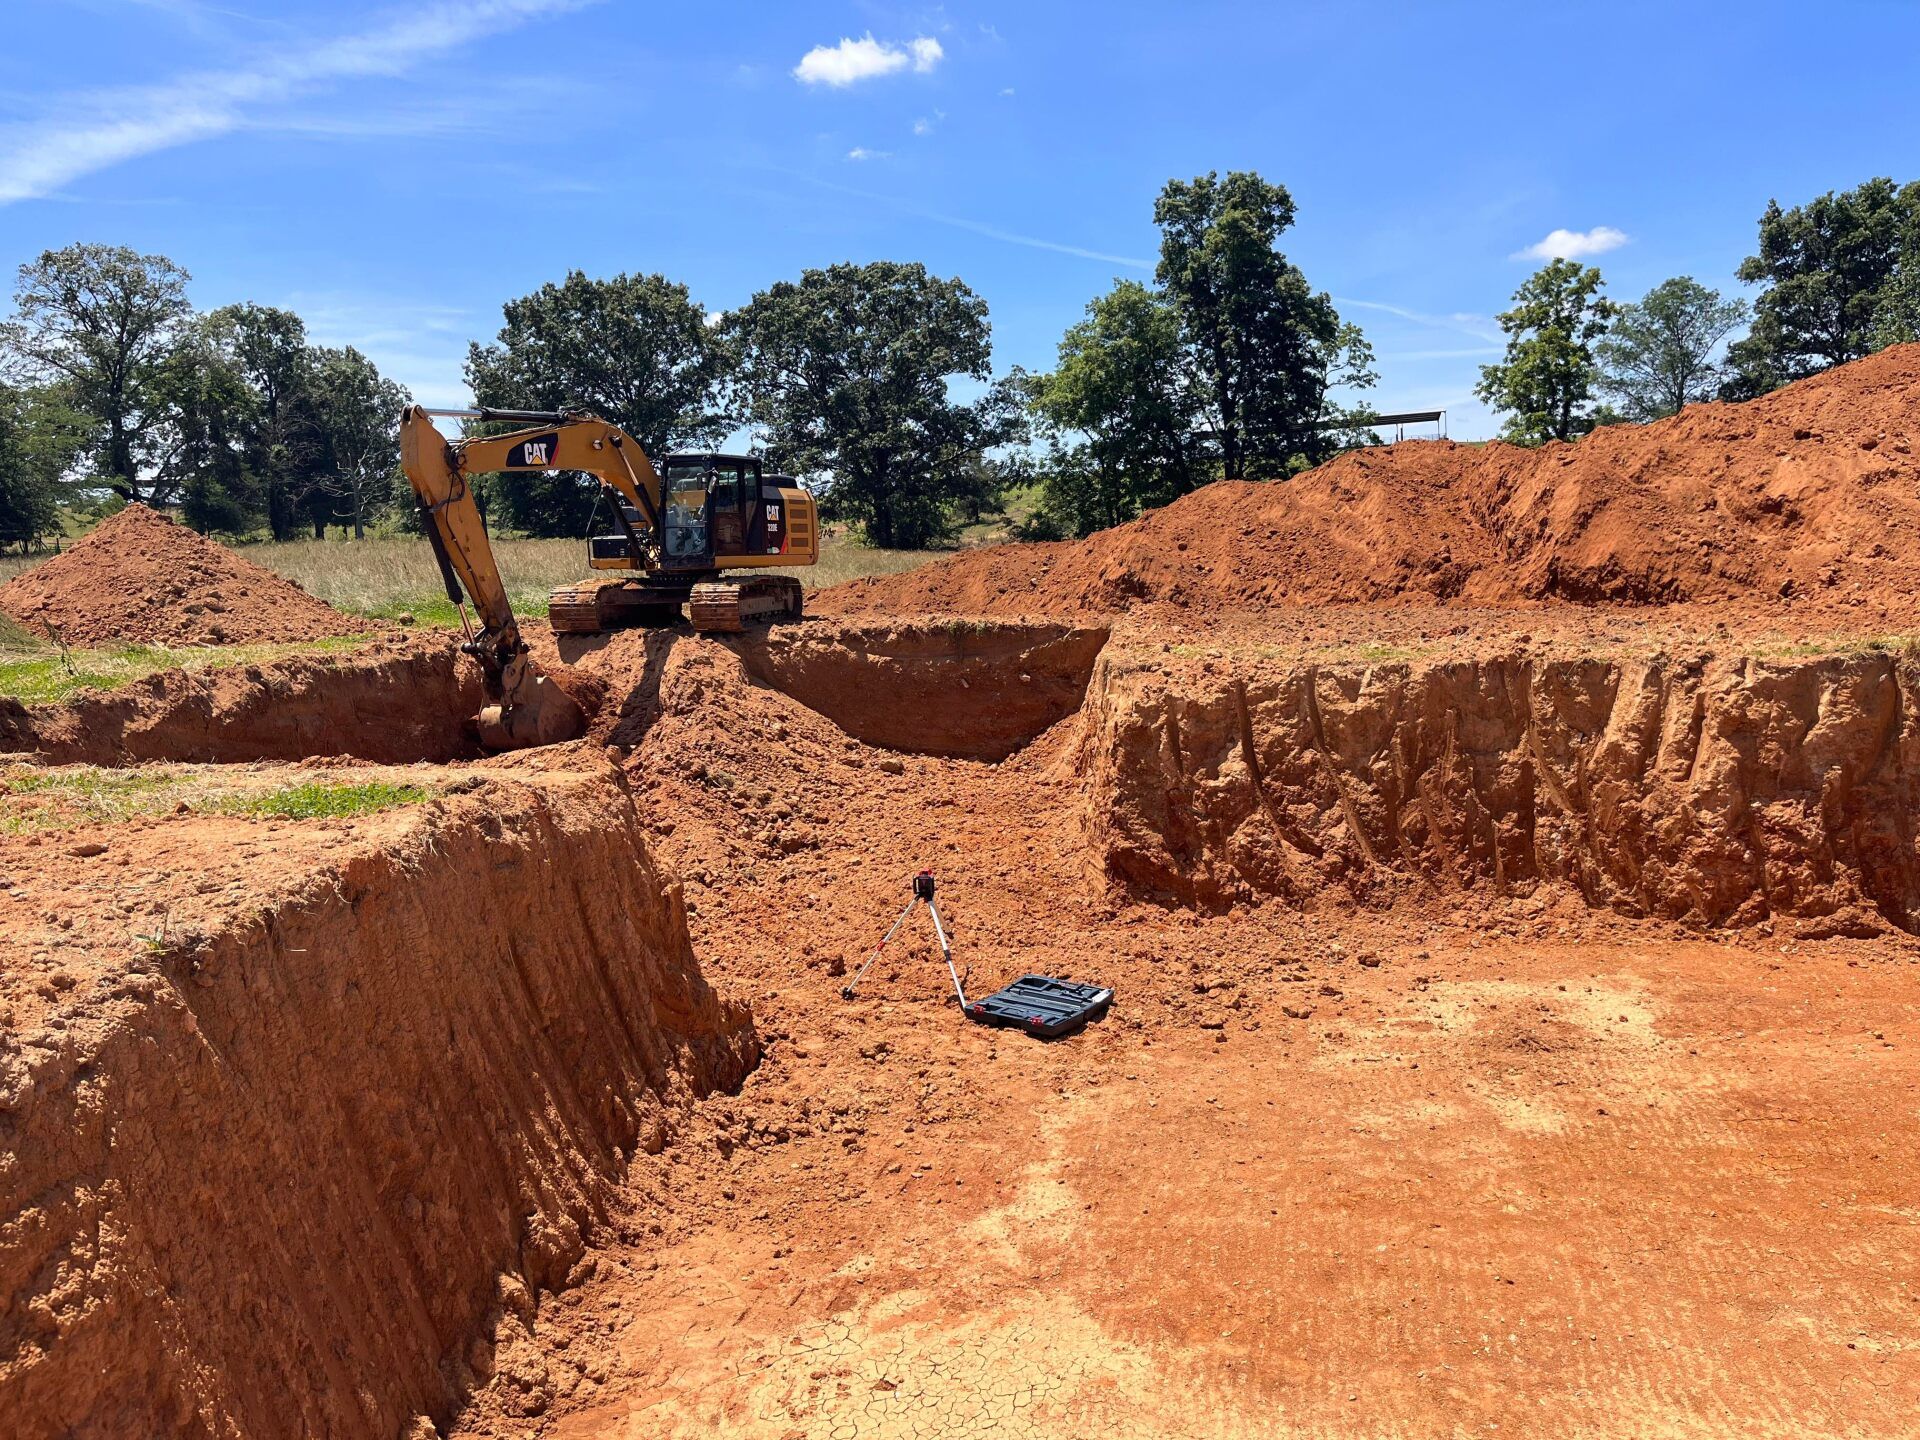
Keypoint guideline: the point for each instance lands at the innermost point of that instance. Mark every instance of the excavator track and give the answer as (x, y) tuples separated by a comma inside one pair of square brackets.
[(729, 606), (595, 607)]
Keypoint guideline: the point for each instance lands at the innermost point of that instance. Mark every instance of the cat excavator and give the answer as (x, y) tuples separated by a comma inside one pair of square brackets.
[(676, 535)]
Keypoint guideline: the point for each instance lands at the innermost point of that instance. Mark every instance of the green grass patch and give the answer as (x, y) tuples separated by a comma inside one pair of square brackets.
[(35, 800), (324, 800), (51, 799), (1813, 646), (41, 675)]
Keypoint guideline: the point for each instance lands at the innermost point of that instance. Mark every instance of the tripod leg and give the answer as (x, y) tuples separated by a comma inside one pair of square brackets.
[(946, 952), (846, 991)]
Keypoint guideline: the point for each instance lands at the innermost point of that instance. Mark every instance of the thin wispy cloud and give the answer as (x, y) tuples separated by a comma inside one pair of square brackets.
[(1480, 327), (851, 61), (978, 227), (96, 130), (419, 344), (1574, 244), (861, 152)]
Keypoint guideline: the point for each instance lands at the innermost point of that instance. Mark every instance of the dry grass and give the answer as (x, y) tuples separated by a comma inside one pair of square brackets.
[(387, 577)]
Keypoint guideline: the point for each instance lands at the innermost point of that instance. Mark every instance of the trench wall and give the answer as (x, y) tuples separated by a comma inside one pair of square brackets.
[(964, 689), (392, 705), (1708, 790), (282, 1180)]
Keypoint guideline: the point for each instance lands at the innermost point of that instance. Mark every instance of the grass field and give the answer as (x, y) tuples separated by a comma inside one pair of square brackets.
[(35, 673), (387, 577)]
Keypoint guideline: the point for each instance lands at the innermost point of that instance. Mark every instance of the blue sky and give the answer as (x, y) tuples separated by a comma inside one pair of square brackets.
[(395, 173)]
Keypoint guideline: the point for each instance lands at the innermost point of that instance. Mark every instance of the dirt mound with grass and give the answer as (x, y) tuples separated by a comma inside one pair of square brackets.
[(139, 578), (1808, 492)]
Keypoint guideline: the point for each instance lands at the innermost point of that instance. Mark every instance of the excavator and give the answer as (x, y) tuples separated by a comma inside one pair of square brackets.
[(676, 536)]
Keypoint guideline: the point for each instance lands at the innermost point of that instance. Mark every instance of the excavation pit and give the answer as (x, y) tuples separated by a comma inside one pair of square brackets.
[(458, 1054)]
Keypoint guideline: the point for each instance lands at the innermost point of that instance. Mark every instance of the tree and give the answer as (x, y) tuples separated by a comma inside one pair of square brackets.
[(210, 416), (1825, 265), (1546, 382), (267, 348), (1261, 339), (1659, 355), (40, 439), (634, 349), (847, 370), (356, 414), (103, 321), (1896, 319), (1120, 412)]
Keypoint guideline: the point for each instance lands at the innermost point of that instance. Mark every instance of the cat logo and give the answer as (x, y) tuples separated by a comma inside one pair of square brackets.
[(533, 454)]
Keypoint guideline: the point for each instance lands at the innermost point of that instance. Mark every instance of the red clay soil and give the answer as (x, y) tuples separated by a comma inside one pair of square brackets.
[(1482, 1161), (1807, 491), (139, 578)]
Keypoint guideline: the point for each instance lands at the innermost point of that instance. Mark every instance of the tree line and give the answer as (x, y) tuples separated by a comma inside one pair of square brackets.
[(112, 387), (874, 381), (1840, 278)]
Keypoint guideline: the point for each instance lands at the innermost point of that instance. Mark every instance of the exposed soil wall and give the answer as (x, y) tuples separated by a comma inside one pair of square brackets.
[(965, 689), (396, 702), (1715, 791), (286, 1176)]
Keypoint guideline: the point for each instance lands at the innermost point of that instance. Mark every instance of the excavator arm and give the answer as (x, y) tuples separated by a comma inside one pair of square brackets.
[(524, 707)]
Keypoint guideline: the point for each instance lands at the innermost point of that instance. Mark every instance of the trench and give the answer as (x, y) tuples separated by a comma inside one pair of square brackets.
[(420, 1068)]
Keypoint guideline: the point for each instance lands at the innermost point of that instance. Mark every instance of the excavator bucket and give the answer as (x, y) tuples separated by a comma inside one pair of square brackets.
[(544, 715), (532, 711)]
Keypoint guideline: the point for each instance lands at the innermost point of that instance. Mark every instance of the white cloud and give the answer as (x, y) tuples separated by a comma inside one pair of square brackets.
[(1007, 91), (1575, 244), (922, 126), (103, 128), (851, 61), (861, 152)]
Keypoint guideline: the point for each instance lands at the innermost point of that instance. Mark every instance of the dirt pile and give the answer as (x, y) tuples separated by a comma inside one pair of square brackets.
[(139, 578), (1717, 791), (299, 1119), (1808, 492)]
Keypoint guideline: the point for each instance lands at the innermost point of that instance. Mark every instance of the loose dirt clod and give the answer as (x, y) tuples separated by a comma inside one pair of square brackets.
[(1806, 490), (139, 578)]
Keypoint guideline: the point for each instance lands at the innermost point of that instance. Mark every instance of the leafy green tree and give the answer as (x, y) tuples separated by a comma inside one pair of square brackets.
[(1545, 384), (268, 349), (848, 370), (104, 322), (1261, 339), (356, 417), (1120, 412), (1896, 319), (211, 415), (1825, 266), (634, 349), (1659, 356), (41, 438)]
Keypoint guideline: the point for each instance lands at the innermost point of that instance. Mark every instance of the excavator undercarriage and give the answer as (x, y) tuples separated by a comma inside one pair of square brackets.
[(725, 606)]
